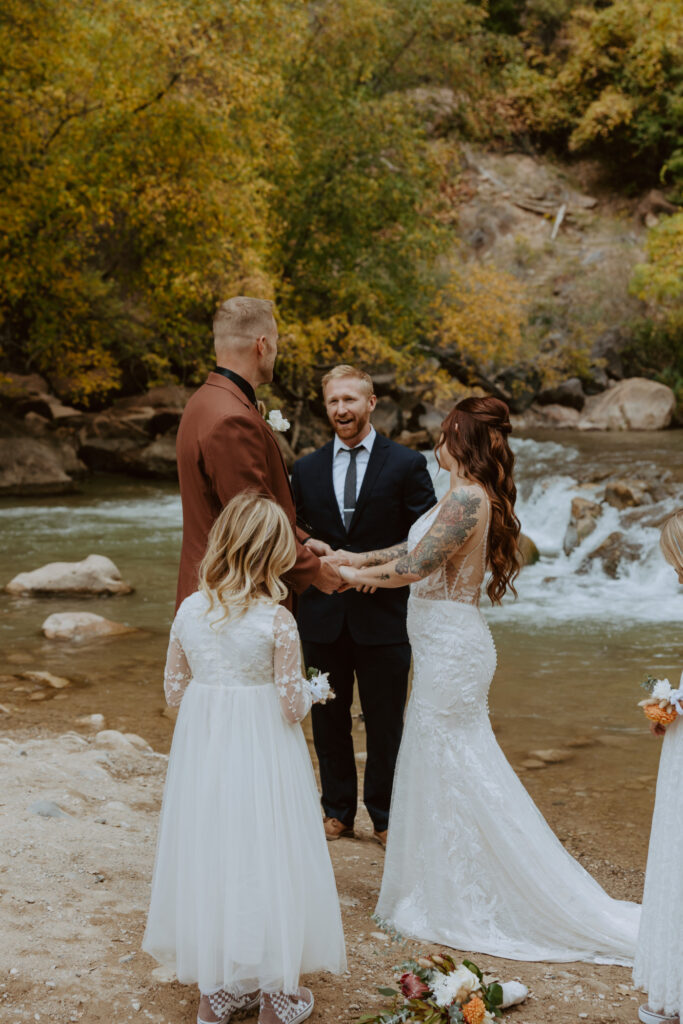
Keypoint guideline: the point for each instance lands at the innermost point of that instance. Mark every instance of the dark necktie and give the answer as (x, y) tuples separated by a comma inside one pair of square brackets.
[(350, 487)]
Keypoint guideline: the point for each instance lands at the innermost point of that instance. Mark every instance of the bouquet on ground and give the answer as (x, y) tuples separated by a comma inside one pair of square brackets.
[(437, 990), (665, 703), (319, 685)]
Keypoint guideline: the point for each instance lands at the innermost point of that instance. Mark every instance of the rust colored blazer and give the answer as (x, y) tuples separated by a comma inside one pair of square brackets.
[(224, 447)]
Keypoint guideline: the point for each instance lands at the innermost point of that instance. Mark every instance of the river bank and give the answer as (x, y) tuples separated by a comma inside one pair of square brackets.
[(74, 892)]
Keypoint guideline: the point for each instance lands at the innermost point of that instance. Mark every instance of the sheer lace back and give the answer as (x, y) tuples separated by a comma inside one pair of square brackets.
[(461, 576)]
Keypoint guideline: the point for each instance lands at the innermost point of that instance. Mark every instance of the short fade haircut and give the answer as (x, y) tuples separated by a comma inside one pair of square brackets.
[(244, 319), (343, 370)]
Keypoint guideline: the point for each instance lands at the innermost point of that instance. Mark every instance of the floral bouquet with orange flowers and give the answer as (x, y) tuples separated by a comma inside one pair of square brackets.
[(437, 990), (665, 703)]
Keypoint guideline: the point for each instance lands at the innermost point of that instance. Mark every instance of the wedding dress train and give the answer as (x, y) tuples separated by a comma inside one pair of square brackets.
[(470, 862)]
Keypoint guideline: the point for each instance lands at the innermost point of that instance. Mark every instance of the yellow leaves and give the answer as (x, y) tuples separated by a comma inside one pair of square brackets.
[(659, 282), (481, 314), (612, 110)]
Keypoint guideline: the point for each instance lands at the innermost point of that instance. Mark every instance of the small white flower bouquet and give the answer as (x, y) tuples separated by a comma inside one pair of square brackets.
[(319, 685), (664, 704), (277, 421)]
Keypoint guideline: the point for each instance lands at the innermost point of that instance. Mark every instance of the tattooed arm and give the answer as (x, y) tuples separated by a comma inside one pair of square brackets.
[(454, 524), (361, 559)]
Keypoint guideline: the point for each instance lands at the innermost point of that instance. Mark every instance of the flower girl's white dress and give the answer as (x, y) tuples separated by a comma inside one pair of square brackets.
[(658, 967), (243, 895)]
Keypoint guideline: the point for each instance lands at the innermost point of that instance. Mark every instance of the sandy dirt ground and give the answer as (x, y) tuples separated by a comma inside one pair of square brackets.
[(74, 890)]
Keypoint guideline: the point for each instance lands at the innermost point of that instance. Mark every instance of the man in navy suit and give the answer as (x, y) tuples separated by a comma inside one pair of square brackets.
[(359, 492)]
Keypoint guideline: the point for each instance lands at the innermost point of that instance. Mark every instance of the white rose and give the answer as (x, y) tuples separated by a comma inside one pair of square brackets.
[(320, 688), (457, 985), (277, 421), (661, 690)]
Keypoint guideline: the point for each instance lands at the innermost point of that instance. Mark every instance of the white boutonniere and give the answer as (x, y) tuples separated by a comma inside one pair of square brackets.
[(277, 421)]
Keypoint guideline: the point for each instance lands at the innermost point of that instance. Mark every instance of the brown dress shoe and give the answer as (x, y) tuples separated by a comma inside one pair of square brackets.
[(381, 837), (336, 829)]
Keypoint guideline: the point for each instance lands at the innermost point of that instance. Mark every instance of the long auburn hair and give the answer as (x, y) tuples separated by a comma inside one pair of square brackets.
[(475, 433), (250, 547)]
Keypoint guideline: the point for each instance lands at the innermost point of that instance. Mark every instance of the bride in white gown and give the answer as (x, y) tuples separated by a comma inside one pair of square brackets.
[(470, 861)]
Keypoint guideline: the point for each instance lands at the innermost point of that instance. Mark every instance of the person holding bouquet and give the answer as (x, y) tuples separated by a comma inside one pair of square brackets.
[(658, 967), (243, 895)]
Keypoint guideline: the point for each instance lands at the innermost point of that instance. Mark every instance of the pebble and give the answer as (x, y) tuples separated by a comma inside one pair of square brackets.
[(136, 1005), (94, 721), (556, 755), (46, 679), (111, 739), (126, 959), (533, 762), (47, 809)]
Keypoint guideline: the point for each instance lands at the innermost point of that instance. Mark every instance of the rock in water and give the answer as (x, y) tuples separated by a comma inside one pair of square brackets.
[(81, 626), (29, 466), (582, 522), (96, 574), (528, 552), (611, 552), (633, 404), (627, 493)]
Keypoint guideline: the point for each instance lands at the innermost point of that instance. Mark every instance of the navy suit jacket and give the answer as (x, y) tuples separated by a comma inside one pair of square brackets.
[(396, 490)]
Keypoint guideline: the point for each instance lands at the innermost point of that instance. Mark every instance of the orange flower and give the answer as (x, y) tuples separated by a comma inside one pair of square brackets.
[(474, 1012), (657, 714)]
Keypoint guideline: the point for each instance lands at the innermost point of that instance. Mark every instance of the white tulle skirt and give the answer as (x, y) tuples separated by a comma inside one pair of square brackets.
[(658, 966), (243, 894)]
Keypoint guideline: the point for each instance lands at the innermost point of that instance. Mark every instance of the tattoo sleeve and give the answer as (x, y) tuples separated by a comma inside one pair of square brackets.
[(457, 518), (371, 558)]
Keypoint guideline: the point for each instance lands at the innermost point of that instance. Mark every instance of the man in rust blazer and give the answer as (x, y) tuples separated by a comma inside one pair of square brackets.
[(225, 446)]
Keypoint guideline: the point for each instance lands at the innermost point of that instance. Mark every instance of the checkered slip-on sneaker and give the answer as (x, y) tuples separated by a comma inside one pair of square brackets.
[(227, 1006), (279, 1008)]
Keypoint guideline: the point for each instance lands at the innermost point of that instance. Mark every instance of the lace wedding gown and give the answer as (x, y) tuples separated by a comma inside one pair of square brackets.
[(243, 894), (470, 861), (659, 957)]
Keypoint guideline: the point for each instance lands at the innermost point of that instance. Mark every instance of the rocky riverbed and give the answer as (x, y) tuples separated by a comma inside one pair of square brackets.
[(78, 819)]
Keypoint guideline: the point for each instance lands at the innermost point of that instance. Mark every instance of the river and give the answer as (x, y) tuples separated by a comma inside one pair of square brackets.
[(572, 648)]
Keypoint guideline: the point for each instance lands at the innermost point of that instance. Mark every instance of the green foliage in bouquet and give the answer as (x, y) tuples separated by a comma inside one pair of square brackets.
[(420, 996)]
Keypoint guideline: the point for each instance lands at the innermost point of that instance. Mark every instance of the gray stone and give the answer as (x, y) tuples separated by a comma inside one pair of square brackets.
[(30, 466), (582, 521), (47, 809), (386, 418), (628, 493), (613, 550), (633, 404), (82, 626), (96, 574)]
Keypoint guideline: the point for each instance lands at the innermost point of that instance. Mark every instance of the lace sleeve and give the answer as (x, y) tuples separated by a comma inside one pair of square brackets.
[(177, 673), (292, 686)]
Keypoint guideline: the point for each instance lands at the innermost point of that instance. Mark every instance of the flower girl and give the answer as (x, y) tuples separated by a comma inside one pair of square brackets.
[(659, 954), (243, 895)]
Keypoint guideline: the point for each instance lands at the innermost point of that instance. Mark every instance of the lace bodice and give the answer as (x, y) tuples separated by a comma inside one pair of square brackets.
[(259, 648), (461, 576)]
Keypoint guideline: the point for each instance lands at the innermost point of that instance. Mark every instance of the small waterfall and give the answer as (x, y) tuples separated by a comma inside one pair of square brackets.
[(645, 590)]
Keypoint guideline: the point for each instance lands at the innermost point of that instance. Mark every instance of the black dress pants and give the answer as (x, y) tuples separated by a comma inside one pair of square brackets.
[(382, 673)]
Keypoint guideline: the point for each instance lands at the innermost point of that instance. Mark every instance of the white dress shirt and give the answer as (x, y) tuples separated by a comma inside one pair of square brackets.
[(340, 464)]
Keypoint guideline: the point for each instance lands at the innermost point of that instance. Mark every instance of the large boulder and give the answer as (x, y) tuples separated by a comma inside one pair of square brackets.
[(156, 460), (528, 553), (633, 404), (82, 626), (96, 574), (628, 493), (549, 417), (582, 521), (31, 466), (614, 550), (387, 418)]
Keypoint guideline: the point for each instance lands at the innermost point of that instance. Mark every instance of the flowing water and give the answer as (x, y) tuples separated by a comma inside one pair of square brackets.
[(571, 649)]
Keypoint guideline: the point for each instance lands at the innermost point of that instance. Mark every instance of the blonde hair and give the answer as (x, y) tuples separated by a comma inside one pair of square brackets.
[(250, 547), (337, 372), (241, 320), (671, 539)]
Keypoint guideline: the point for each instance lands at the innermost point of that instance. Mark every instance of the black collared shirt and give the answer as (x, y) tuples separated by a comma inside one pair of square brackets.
[(244, 385)]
